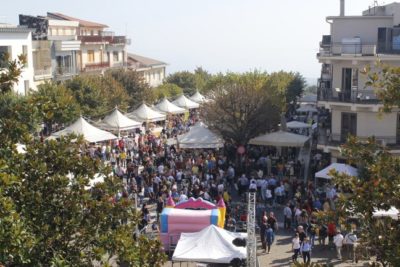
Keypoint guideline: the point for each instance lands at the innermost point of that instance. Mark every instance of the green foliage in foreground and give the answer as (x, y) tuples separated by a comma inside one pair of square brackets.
[(48, 214)]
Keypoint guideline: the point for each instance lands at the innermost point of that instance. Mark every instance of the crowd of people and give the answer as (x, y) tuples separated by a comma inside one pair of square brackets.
[(154, 168)]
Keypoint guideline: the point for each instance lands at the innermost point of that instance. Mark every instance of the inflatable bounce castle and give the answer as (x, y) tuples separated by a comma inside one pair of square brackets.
[(189, 216)]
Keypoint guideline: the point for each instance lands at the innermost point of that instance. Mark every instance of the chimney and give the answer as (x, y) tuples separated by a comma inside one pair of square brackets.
[(342, 8)]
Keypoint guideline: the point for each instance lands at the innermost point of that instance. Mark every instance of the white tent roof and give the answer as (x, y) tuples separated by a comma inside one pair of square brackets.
[(199, 136), (339, 167), (167, 107), (197, 97), (280, 138), (307, 108), (185, 102), (145, 114), (89, 132), (212, 244), (297, 125), (392, 213), (118, 121)]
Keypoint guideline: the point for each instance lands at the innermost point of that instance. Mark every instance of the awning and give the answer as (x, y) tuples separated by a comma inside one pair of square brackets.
[(145, 114), (339, 167), (89, 132), (280, 139), (185, 102), (199, 136), (212, 245), (167, 107)]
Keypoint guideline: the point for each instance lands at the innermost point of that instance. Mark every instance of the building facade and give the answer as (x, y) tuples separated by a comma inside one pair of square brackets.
[(355, 42), (153, 71), (15, 41), (64, 46)]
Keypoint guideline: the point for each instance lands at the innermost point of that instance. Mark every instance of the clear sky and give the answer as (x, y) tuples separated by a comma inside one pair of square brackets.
[(219, 35)]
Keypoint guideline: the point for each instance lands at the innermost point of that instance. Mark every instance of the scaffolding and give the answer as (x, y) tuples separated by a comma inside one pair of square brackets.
[(251, 231)]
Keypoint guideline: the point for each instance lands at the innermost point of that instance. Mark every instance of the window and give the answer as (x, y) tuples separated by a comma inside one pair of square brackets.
[(115, 56), (349, 125), (90, 56), (25, 52), (26, 86), (5, 51)]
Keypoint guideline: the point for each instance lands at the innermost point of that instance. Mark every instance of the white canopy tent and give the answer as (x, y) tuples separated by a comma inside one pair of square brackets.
[(297, 125), (117, 121), (185, 102), (198, 98), (392, 213), (307, 108), (339, 167), (89, 132), (280, 139), (199, 136), (145, 114), (210, 245), (167, 107)]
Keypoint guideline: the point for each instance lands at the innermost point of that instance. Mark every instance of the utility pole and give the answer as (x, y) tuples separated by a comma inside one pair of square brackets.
[(251, 231)]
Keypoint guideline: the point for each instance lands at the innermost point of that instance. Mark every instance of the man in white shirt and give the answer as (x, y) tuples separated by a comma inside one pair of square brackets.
[(338, 241)]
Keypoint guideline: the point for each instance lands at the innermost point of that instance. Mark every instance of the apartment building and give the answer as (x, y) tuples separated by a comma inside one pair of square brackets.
[(64, 46), (100, 49), (353, 43), (55, 47), (15, 41), (153, 71)]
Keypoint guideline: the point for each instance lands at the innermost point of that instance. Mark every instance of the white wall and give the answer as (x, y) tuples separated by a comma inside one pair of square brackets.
[(365, 27), (16, 40), (383, 126)]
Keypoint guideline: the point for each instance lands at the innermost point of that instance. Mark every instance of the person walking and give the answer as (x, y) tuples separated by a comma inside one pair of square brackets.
[(269, 237), (338, 241), (305, 250), (295, 247), (287, 213)]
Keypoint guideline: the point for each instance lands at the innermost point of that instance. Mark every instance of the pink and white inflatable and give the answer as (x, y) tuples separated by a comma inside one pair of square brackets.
[(189, 216)]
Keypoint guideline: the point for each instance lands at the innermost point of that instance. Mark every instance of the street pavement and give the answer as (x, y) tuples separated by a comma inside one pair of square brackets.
[(281, 250)]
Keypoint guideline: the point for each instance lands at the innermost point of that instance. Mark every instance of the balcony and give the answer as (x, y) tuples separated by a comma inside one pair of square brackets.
[(356, 96), (42, 74), (96, 66), (340, 49), (101, 39), (65, 72)]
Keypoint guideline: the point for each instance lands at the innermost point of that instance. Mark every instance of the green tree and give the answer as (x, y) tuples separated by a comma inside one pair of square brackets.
[(240, 109), (377, 187), (202, 77), (286, 86), (97, 95), (55, 103), (17, 118), (385, 79), (134, 84), (167, 90), (10, 71), (185, 80)]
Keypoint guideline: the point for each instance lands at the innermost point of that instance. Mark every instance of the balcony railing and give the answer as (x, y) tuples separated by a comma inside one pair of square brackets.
[(42, 73), (360, 96), (96, 66), (103, 39), (65, 71), (340, 49)]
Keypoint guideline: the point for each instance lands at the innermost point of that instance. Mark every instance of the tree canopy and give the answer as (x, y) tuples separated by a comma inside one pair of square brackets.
[(10, 71), (376, 188), (240, 109)]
